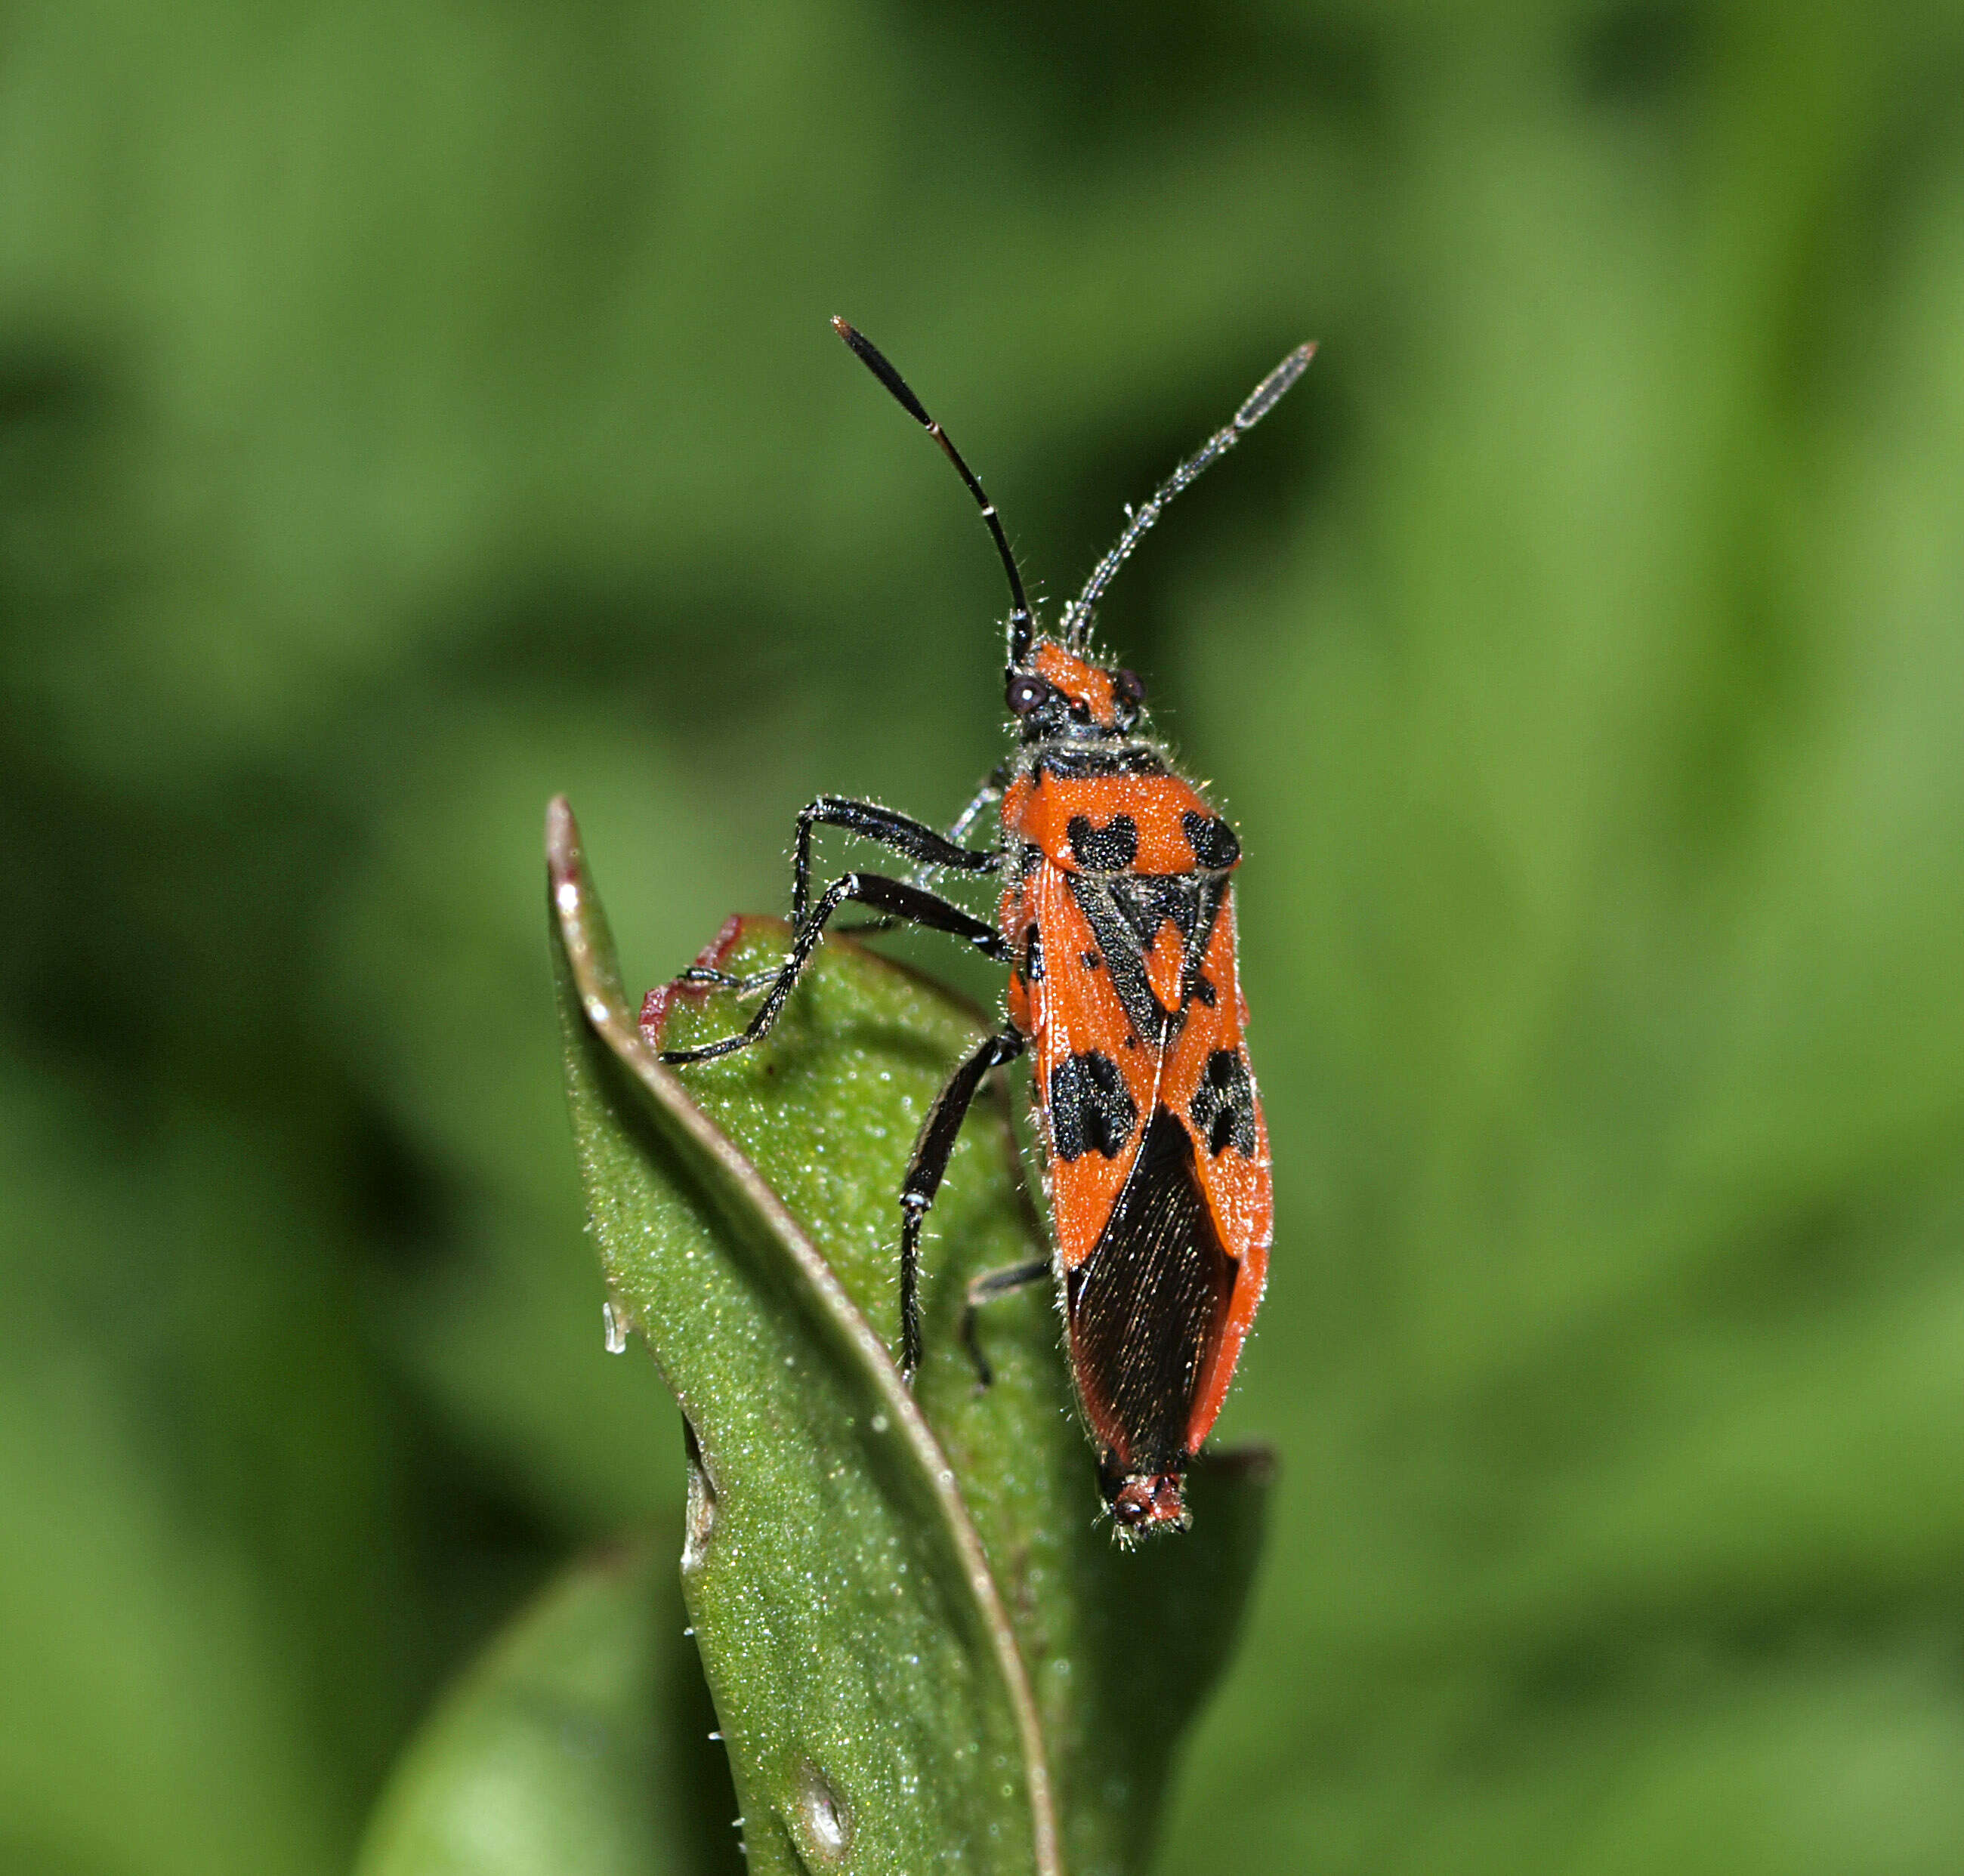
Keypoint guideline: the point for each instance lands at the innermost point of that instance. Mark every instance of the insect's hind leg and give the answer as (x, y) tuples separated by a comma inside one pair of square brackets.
[(985, 1289), (895, 897), (929, 1166)]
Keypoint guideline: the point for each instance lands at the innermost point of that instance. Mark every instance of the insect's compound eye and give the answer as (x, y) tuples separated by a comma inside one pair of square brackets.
[(1025, 693), (1127, 684)]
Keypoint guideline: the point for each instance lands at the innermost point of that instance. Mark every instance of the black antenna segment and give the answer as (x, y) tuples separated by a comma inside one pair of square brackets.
[(870, 355), (1076, 622)]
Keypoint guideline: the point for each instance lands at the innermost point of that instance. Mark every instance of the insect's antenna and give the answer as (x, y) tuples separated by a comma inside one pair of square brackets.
[(875, 362), (1076, 624)]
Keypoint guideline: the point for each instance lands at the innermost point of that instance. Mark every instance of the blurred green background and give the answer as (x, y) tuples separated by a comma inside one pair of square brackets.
[(407, 410)]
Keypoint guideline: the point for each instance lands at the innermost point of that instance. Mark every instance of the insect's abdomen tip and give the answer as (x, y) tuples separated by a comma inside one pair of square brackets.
[(1145, 1503)]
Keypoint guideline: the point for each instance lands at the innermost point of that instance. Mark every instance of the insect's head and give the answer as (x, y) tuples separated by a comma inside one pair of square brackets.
[(1059, 693), (1144, 1503)]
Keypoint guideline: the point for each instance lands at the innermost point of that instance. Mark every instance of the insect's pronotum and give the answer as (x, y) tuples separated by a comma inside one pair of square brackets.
[(1117, 921)]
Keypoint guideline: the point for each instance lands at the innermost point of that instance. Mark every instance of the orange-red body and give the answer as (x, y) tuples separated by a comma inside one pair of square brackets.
[(1119, 914)]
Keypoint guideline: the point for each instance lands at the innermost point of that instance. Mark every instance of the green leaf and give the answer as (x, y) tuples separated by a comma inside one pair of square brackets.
[(869, 1686), (912, 1621), (546, 1759)]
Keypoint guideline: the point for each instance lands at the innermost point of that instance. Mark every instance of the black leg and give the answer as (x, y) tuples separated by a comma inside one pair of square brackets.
[(906, 836), (896, 897), (985, 1289), (702, 976), (926, 1170)]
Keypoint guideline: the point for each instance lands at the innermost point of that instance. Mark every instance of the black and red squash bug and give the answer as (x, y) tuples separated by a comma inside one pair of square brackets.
[(1117, 921)]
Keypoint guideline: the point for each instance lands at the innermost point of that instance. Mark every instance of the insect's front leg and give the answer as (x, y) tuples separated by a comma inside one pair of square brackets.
[(706, 977), (914, 839), (984, 798)]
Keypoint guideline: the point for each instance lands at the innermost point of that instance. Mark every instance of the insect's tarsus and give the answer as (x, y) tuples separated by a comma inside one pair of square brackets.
[(870, 355)]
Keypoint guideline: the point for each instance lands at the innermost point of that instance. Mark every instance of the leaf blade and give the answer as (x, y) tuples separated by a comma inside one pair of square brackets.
[(799, 1426)]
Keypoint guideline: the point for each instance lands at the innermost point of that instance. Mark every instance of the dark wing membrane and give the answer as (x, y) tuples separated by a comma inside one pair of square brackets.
[(1147, 1304)]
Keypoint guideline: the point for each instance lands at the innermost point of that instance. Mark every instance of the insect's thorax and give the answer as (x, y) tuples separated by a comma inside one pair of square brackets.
[(1113, 807)]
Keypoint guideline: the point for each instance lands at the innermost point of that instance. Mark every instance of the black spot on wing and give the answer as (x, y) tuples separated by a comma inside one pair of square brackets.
[(1147, 1305), (1147, 900), (1215, 845), (1091, 1109), (1031, 968), (1224, 1105), (1111, 848)]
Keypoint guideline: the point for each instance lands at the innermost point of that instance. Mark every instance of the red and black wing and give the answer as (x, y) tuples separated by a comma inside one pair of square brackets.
[(1155, 1227), (1209, 1084)]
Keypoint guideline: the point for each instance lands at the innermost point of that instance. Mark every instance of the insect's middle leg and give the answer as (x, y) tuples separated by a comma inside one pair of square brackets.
[(929, 1166), (896, 898)]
